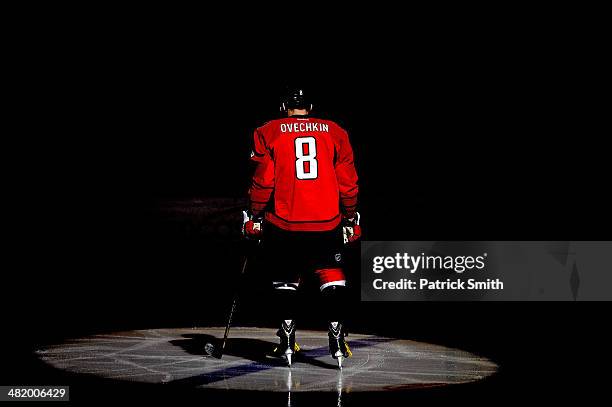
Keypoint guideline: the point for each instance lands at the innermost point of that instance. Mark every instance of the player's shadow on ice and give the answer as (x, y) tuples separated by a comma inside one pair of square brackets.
[(255, 350)]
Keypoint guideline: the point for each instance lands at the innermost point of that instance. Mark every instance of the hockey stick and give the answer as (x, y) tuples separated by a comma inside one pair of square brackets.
[(217, 351)]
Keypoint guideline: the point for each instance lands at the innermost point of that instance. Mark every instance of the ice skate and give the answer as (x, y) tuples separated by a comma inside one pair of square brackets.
[(287, 346), (338, 348)]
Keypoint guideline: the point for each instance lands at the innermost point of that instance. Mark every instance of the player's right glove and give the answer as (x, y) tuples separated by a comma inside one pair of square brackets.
[(252, 226), (351, 229)]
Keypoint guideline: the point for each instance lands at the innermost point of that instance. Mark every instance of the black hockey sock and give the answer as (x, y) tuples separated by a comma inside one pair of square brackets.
[(285, 304), (334, 301)]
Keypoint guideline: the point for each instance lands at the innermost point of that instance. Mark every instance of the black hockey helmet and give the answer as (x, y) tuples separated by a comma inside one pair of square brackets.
[(295, 98)]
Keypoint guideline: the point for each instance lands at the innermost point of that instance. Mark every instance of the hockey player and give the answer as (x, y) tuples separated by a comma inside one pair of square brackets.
[(303, 200)]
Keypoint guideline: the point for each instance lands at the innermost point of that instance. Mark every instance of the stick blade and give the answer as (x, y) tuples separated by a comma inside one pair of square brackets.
[(212, 350)]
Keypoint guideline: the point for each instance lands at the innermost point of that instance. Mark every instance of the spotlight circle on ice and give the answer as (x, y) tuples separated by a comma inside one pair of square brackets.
[(177, 357)]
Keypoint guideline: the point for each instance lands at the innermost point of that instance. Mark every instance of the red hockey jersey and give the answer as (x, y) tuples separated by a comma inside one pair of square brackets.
[(305, 174)]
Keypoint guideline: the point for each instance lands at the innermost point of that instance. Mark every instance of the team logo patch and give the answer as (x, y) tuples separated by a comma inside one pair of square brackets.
[(338, 257)]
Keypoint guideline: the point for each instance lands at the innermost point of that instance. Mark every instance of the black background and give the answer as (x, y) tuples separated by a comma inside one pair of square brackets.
[(464, 141)]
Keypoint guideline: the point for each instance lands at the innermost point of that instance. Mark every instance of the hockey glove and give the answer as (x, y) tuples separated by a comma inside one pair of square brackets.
[(351, 229), (251, 226)]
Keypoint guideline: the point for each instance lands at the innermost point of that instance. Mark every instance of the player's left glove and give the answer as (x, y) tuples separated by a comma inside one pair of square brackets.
[(351, 229), (252, 226)]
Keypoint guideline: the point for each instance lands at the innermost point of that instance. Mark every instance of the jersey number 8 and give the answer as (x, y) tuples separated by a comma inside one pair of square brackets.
[(305, 155)]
